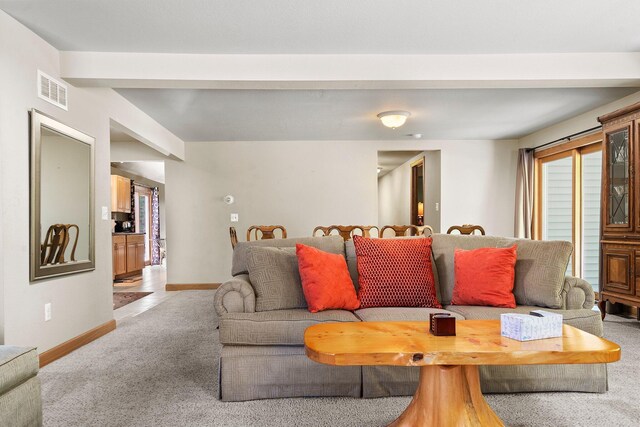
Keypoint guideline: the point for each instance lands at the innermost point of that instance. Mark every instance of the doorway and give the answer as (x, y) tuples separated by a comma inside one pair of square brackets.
[(417, 192), (143, 197), (409, 188)]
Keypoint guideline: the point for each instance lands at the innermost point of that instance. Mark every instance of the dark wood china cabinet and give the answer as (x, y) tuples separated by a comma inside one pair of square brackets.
[(620, 208)]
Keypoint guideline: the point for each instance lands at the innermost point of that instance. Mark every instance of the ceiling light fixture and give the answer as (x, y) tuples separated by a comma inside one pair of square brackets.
[(379, 169), (393, 119)]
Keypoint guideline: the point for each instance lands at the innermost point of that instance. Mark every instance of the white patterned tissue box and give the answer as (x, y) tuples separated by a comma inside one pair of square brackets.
[(538, 325)]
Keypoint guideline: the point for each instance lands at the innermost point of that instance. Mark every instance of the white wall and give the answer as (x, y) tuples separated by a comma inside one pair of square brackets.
[(394, 192), (302, 184), (80, 301)]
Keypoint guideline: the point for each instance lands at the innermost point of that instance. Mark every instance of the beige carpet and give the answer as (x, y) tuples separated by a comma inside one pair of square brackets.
[(160, 369)]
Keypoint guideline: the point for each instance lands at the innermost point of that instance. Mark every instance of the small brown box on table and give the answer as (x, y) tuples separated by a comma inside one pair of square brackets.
[(442, 324)]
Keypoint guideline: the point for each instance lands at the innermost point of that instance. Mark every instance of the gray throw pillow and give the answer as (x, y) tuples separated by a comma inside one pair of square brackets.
[(540, 271), (273, 272)]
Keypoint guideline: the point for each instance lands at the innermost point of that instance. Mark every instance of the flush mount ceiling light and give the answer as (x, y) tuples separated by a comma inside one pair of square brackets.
[(393, 119)]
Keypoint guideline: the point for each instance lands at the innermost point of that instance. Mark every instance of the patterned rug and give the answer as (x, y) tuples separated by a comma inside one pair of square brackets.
[(121, 299)]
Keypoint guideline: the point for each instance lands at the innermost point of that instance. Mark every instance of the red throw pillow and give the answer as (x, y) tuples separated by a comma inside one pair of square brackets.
[(395, 273), (485, 276), (326, 282)]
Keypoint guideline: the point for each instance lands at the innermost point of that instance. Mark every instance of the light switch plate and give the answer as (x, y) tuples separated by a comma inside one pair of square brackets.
[(234, 217), (105, 213), (47, 312), (437, 207)]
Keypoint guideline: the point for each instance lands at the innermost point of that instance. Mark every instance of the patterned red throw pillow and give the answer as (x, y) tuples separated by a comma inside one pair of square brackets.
[(395, 273)]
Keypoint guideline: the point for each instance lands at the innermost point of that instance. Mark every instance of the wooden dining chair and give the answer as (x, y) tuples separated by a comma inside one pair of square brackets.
[(234, 237), (401, 230), (426, 230), (345, 231), (265, 232), (466, 229)]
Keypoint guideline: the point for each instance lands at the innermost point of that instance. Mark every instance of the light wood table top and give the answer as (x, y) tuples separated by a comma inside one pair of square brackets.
[(478, 342), (448, 364)]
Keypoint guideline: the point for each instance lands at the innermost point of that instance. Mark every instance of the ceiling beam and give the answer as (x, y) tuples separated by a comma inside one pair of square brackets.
[(197, 71)]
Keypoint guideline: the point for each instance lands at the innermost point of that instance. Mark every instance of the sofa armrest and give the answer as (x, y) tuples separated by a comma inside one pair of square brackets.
[(235, 296), (577, 293)]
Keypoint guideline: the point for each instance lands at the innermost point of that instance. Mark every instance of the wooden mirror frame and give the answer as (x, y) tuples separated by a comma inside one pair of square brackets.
[(38, 121)]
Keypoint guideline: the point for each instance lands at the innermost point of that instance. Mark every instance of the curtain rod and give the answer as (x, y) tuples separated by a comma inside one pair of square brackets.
[(568, 138)]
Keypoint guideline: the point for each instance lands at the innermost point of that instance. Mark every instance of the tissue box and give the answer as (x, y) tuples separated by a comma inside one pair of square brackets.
[(526, 327)]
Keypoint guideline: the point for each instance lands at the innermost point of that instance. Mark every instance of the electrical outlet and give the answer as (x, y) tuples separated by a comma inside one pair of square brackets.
[(47, 312), (105, 213), (234, 217), (437, 206)]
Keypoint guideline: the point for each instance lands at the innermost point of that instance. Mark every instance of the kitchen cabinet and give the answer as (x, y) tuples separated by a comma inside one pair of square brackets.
[(128, 254), (119, 255), (620, 213), (120, 194)]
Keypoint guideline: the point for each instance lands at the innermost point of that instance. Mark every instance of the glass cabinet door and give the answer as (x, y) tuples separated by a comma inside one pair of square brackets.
[(618, 183)]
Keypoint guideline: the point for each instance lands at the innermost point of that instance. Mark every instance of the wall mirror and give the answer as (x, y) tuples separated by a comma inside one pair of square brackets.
[(62, 199)]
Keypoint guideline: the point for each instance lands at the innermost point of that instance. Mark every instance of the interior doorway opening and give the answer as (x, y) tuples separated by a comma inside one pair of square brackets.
[(417, 192), (409, 188)]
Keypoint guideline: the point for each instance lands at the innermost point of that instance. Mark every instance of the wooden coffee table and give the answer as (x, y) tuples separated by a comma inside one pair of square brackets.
[(448, 393)]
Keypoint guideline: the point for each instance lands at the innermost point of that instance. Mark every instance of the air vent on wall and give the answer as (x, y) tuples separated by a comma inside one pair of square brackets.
[(52, 90)]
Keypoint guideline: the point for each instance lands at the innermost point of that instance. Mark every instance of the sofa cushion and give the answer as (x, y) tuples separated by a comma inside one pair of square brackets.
[(277, 327), (540, 271), (400, 314), (352, 263), (585, 319), (485, 277), (540, 266), (325, 280), (332, 244), (17, 365), (275, 278), (395, 273)]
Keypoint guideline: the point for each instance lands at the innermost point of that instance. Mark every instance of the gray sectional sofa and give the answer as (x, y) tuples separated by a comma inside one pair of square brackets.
[(20, 399), (263, 352)]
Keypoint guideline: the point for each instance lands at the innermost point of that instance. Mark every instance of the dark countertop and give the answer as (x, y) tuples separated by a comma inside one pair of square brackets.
[(118, 233)]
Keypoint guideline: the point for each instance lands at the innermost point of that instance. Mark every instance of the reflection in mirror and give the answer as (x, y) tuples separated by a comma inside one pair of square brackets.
[(62, 199)]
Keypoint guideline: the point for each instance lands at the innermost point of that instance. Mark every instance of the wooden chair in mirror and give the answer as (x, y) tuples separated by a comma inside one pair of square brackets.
[(55, 244)]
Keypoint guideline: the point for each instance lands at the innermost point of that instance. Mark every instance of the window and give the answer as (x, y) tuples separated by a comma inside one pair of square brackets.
[(567, 205)]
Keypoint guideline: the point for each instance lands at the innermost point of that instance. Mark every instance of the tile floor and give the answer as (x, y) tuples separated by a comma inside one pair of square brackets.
[(154, 279)]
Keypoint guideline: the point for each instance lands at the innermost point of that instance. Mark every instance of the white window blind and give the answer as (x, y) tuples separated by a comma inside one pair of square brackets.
[(557, 199), (591, 187)]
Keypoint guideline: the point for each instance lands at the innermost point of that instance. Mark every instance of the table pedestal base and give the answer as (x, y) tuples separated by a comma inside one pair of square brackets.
[(448, 396)]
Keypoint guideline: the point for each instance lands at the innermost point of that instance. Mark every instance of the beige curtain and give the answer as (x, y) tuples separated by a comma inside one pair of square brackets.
[(524, 194)]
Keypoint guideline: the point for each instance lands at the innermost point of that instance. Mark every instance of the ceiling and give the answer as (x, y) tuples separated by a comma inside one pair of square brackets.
[(272, 115), (333, 26), (389, 160), (467, 28)]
